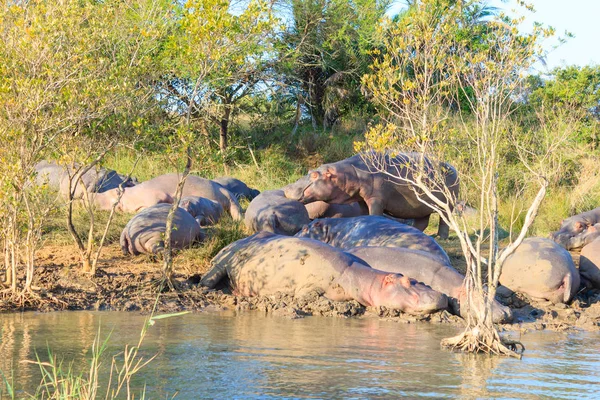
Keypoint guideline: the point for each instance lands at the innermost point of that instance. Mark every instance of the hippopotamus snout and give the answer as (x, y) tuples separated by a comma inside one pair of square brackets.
[(430, 301), (563, 238)]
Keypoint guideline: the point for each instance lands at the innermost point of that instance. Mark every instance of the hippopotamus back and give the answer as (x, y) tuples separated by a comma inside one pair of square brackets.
[(541, 268), (144, 232), (272, 212), (371, 230)]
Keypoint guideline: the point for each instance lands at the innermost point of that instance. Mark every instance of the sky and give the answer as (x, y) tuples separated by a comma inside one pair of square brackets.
[(579, 17)]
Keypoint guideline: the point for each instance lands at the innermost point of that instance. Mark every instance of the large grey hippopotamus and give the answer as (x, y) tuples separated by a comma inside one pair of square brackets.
[(578, 230), (272, 212), (542, 269), (237, 187), (205, 211), (96, 180), (144, 233), (589, 264), (355, 179), (426, 268), (371, 230), (162, 189), (266, 263)]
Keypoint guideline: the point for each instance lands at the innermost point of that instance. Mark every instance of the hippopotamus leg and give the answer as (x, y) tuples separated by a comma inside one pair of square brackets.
[(214, 276), (421, 223), (375, 206)]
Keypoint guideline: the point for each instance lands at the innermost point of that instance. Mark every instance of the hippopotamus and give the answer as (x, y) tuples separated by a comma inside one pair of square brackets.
[(144, 233), (271, 211), (371, 230), (96, 180), (265, 263), (426, 268), (237, 187), (162, 190), (542, 269), (589, 263), (575, 231), (206, 211), (360, 178)]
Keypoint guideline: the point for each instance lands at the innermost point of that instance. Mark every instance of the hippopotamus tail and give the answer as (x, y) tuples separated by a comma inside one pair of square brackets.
[(273, 223)]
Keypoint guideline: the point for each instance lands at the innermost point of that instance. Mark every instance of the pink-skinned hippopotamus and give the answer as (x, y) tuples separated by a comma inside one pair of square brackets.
[(272, 212), (265, 263), (144, 233), (371, 230), (589, 264), (578, 230), (96, 180), (205, 211), (162, 189), (360, 178), (426, 268), (237, 187), (541, 269)]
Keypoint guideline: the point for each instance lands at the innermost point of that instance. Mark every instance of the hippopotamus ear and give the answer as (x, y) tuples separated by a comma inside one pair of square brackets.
[(331, 173), (314, 175)]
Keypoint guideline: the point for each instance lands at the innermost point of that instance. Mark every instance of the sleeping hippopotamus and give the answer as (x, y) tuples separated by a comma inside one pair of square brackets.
[(206, 211), (371, 230), (542, 269), (162, 189), (355, 179), (589, 264), (426, 268), (575, 231), (266, 263), (271, 211), (96, 180), (237, 187), (144, 233)]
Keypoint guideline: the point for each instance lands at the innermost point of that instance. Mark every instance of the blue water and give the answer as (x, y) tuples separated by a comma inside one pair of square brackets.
[(249, 355)]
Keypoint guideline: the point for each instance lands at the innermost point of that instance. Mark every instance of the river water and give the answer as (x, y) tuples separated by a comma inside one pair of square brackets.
[(249, 355)]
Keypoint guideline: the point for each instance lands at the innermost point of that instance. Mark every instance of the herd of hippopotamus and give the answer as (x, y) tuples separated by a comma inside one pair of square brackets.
[(341, 231)]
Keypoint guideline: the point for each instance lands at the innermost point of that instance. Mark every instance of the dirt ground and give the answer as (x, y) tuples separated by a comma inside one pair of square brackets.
[(126, 283)]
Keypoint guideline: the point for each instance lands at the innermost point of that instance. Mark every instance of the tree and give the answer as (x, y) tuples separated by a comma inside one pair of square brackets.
[(324, 52), (76, 82), (575, 88), (220, 53), (427, 60)]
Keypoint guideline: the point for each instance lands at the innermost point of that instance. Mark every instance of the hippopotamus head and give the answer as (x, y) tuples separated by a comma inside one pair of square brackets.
[(316, 230), (401, 292), (584, 238), (105, 200), (570, 228), (325, 184)]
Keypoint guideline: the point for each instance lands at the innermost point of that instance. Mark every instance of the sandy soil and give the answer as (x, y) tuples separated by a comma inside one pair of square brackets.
[(126, 283)]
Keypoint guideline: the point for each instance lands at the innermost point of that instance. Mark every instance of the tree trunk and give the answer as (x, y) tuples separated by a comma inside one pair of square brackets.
[(168, 253), (223, 130)]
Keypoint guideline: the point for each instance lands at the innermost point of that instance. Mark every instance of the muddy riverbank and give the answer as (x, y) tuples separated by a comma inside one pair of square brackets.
[(130, 284)]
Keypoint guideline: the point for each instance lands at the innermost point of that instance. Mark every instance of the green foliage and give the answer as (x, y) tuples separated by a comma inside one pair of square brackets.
[(324, 52), (575, 88)]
